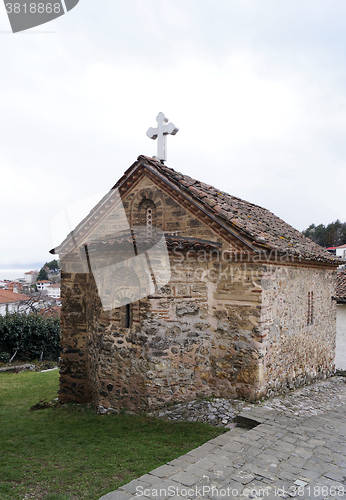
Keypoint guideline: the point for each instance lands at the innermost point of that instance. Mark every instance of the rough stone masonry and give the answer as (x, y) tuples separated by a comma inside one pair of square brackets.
[(246, 311)]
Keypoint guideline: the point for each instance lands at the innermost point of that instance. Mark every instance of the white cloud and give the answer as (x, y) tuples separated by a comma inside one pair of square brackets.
[(257, 90)]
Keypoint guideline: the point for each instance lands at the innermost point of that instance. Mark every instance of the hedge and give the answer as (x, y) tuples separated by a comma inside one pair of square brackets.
[(30, 336)]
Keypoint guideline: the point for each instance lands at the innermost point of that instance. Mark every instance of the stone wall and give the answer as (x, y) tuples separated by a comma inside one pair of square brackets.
[(340, 358), (197, 337), (74, 367), (297, 351)]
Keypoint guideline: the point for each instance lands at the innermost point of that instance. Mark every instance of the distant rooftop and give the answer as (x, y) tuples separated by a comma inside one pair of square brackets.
[(7, 297), (340, 293)]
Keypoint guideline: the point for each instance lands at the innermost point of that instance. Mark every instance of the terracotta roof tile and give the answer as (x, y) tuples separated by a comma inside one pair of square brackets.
[(6, 297), (126, 242), (258, 223), (341, 286), (50, 311)]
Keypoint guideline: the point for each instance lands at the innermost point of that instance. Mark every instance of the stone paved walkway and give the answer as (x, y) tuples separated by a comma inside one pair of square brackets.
[(298, 449), (309, 400)]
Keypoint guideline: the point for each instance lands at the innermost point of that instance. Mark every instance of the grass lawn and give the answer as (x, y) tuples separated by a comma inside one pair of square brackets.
[(71, 452)]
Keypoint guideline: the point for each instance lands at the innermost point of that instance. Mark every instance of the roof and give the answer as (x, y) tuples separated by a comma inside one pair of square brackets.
[(342, 246), (340, 293), (30, 272), (43, 281), (6, 297), (258, 223), (261, 229), (50, 311), (55, 285)]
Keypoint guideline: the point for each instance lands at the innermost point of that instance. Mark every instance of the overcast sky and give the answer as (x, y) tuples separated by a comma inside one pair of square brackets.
[(256, 87)]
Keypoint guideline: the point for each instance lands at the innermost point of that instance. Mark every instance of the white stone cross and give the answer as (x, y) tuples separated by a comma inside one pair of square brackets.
[(160, 132)]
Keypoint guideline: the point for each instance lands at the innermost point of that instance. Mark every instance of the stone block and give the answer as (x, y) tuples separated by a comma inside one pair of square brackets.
[(185, 478)]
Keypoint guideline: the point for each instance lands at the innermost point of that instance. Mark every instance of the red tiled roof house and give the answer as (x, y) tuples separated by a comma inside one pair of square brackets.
[(43, 285), (12, 302), (341, 251), (242, 307), (30, 277)]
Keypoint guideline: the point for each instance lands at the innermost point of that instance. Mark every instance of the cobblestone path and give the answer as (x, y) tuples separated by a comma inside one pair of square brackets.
[(298, 449)]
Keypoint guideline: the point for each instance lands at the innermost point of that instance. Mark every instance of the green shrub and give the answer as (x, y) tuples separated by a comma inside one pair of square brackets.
[(29, 335)]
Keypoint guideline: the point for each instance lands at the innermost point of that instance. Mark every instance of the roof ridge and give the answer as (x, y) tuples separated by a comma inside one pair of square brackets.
[(257, 222)]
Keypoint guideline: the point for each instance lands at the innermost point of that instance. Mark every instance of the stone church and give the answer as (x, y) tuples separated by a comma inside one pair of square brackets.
[(173, 289)]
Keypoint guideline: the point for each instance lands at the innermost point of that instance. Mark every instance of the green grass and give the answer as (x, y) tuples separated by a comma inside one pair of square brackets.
[(71, 452)]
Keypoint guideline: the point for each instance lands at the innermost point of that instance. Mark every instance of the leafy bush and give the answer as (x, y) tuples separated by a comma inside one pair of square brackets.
[(29, 335)]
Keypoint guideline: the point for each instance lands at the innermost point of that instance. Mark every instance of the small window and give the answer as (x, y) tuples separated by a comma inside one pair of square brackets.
[(146, 216), (126, 316), (149, 222), (310, 318)]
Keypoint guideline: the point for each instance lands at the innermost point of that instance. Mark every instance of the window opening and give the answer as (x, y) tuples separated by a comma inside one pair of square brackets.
[(127, 316), (126, 313), (149, 222), (310, 318)]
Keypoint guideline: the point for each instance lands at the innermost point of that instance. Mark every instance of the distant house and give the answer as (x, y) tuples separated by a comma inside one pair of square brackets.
[(14, 286), (12, 302), (43, 285), (54, 291), (341, 251), (338, 251), (340, 359), (30, 277)]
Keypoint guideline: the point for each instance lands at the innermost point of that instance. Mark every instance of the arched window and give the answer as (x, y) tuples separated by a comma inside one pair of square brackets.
[(146, 216), (125, 290), (149, 221)]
